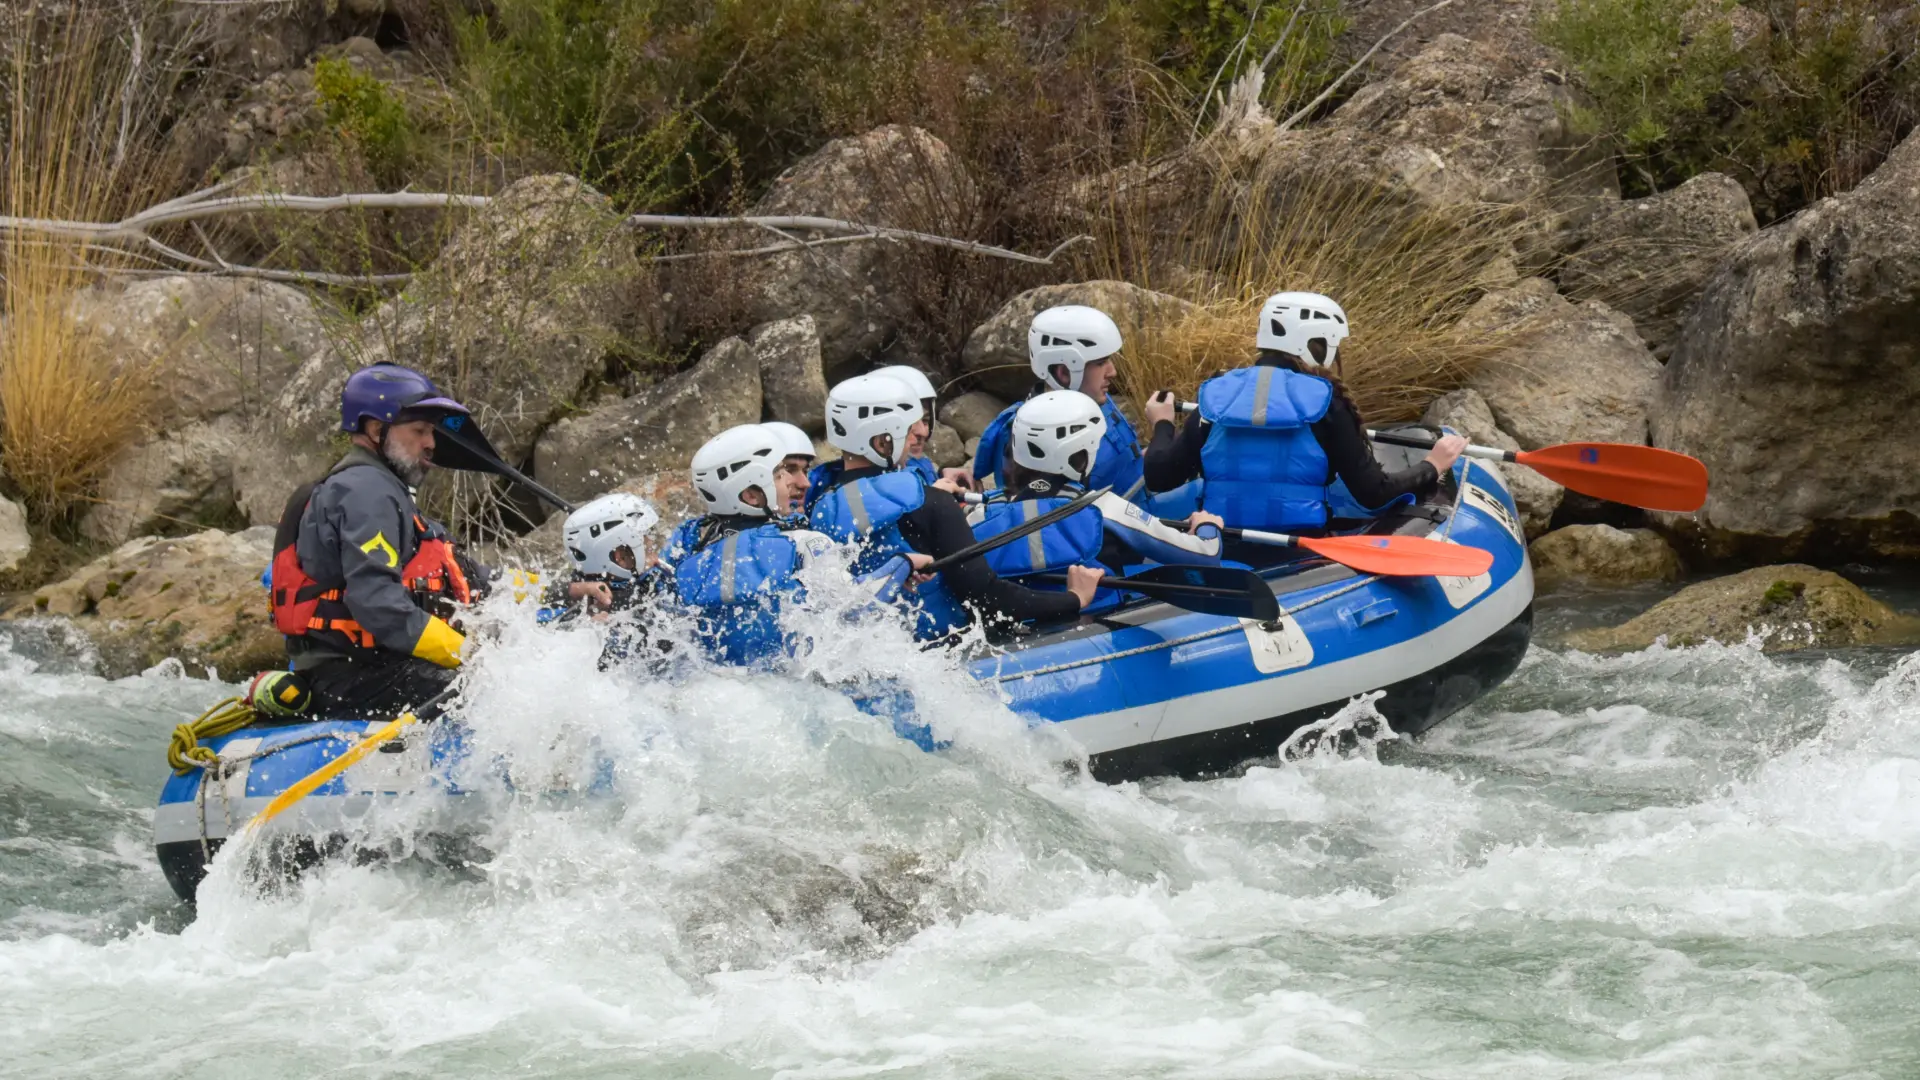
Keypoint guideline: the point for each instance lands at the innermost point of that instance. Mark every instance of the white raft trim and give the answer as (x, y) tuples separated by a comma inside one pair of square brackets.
[(1341, 680)]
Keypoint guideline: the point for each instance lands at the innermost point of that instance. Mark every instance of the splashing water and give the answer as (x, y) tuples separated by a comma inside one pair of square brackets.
[(1683, 862)]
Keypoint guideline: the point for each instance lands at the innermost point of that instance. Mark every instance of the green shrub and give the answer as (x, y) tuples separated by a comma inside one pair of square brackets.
[(1796, 100), (362, 110)]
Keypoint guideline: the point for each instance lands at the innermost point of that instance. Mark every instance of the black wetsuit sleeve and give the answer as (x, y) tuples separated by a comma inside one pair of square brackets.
[(939, 528), (1345, 443), (1173, 454)]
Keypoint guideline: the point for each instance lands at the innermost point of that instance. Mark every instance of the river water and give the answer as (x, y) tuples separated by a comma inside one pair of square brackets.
[(1680, 863)]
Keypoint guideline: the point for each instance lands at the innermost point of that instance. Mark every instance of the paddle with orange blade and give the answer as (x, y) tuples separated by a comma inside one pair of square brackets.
[(1643, 476), (1388, 556)]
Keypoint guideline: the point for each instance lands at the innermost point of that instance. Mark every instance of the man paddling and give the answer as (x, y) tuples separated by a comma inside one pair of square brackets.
[(362, 583)]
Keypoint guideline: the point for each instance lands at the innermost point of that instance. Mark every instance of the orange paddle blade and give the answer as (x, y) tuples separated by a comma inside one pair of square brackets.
[(1642, 476), (1401, 556)]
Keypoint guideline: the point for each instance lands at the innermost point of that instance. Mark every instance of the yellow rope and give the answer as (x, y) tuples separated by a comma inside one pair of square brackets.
[(184, 751)]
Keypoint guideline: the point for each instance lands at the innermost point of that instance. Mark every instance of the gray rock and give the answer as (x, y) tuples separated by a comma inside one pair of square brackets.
[(1796, 380), (517, 315), (859, 294), (1536, 496), (15, 542), (654, 432), (946, 448), (197, 598), (1649, 258), (220, 351), (1798, 606), (971, 412), (1570, 373), (996, 351), (791, 381), (1602, 555)]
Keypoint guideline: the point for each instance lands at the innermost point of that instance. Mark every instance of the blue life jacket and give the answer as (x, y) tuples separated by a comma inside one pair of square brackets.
[(680, 543), (736, 586), (867, 512), (1263, 467), (925, 467), (819, 479), (1119, 464), (1075, 541)]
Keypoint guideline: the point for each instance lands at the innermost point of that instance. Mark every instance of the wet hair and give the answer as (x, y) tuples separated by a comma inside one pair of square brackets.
[(1291, 362)]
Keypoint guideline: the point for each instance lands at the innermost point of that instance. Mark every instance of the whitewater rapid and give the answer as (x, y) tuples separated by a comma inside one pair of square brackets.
[(1694, 862)]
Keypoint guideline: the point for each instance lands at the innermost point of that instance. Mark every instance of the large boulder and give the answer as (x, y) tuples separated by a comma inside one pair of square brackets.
[(971, 412), (1491, 127), (655, 431), (1466, 412), (996, 351), (219, 351), (1602, 555), (860, 294), (1649, 258), (15, 542), (1798, 606), (1796, 379), (792, 383), (197, 598), (1569, 372), (517, 316)]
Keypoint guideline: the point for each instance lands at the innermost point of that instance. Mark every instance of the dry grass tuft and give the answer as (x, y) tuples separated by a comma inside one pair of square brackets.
[(78, 126), (1404, 273)]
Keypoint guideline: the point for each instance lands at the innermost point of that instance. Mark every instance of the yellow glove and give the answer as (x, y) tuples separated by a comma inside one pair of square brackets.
[(439, 644)]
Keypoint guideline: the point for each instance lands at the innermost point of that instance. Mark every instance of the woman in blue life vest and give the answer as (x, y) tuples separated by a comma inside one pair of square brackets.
[(890, 511), (1056, 445), (1073, 348), (737, 570), (1279, 444)]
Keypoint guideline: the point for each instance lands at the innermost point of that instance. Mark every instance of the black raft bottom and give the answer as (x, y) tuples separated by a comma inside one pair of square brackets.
[(1411, 706), (281, 861)]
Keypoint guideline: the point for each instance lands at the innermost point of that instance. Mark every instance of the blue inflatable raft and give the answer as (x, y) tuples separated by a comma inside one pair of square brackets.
[(1153, 690), (1147, 689)]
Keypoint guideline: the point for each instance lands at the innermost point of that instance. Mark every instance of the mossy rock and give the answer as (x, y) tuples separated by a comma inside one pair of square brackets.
[(1796, 607)]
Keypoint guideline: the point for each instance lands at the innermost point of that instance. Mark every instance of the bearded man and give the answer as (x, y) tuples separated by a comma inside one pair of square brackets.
[(363, 585)]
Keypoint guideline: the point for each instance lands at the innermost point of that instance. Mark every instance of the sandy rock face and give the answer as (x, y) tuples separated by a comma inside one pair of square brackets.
[(654, 432), (197, 598), (1796, 379), (1602, 555), (219, 350), (1574, 372)]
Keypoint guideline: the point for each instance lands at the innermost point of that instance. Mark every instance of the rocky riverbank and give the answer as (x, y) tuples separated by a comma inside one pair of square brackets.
[(1781, 356)]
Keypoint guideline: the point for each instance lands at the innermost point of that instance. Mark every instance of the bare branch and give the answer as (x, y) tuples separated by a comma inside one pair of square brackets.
[(1320, 99), (197, 206)]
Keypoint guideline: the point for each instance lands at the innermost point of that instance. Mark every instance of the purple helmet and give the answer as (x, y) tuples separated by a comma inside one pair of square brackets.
[(384, 391)]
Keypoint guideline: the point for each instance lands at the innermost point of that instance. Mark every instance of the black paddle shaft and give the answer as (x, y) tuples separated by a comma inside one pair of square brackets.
[(1025, 528), (1417, 442)]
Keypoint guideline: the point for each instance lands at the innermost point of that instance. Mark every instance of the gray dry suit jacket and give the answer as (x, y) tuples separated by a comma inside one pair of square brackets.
[(358, 532)]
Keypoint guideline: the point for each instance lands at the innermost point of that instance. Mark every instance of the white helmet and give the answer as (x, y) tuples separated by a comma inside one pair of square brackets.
[(1291, 321), (793, 441), (866, 407), (915, 379), (731, 462), (1073, 335), (1058, 433), (605, 525)]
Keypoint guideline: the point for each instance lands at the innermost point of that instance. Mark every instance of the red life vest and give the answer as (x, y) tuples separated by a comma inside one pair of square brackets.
[(302, 607)]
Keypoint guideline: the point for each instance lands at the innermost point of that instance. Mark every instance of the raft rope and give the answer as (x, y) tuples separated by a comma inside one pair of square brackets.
[(184, 751)]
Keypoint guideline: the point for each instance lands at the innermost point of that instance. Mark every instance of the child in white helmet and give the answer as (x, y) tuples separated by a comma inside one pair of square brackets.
[(1280, 444), (606, 541)]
